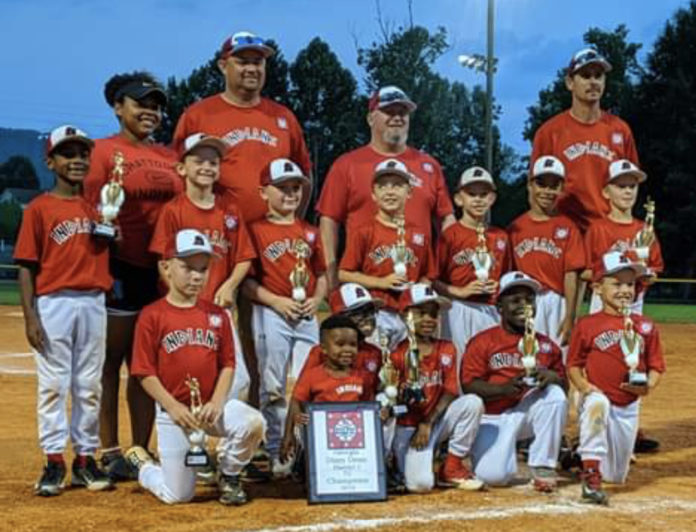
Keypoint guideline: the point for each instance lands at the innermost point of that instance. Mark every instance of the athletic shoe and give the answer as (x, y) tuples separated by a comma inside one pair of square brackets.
[(136, 457), (645, 445), (453, 473), (231, 491), (395, 482), (568, 457), (207, 475), (592, 491), (118, 469), (52, 480), (90, 476), (544, 479), (280, 469)]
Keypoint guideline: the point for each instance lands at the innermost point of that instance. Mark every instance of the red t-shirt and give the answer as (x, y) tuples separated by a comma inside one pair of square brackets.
[(149, 181), (369, 251), (368, 359), (594, 346), (493, 356), (222, 224), (438, 375), (56, 234), (455, 251), (274, 261), (255, 136), (586, 150), (546, 250), (172, 343), (317, 385), (346, 195)]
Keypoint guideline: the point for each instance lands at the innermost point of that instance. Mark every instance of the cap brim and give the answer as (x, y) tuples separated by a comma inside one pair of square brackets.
[(73, 138), (377, 302), (390, 171), (143, 92), (529, 283), (441, 302), (266, 51), (411, 106), (639, 270), (284, 179), (208, 142), (462, 185), (186, 254), (606, 65), (642, 176)]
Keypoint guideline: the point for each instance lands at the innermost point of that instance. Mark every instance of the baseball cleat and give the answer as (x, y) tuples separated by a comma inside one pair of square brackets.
[(88, 475), (592, 491), (118, 469), (645, 445), (231, 491), (544, 479), (136, 457), (52, 480), (454, 474)]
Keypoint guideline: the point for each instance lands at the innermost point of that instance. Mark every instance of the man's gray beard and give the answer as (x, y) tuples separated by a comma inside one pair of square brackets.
[(395, 140)]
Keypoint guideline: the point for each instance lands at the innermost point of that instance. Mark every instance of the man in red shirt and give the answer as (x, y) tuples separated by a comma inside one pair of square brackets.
[(346, 197)]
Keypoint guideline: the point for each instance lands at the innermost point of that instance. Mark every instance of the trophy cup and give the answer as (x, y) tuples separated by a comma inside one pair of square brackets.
[(481, 259), (529, 347), (646, 236), (389, 380), (299, 276), (399, 250), (112, 198), (196, 456), (413, 390), (632, 346)]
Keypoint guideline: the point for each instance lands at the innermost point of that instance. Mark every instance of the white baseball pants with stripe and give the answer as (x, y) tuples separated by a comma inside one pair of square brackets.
[(241, 381), (465, 320)]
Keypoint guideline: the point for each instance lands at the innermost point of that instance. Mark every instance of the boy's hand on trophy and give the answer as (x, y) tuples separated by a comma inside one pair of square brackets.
[(209, 414), (310, 306), (393, 281), (639, 390), (491, 286), (289, 309), (546, 376), (512, 387), (182, 416)]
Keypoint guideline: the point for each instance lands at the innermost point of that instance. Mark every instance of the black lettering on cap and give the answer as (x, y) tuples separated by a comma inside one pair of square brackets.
[(429, 291), (626, 165), (478, 172), (198, 241), (288, 167), (391, 164), (70, 131), (359, 292), (548, 163), (519, 276)]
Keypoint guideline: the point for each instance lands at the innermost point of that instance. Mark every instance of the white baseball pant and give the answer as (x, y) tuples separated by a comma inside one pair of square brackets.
[(596, 304), (608, 434), (281, 349), (389, 322), (550, 311), (540, 414), (458, 424), (465, 320), (241, 381), (74, 323), (240, 428)]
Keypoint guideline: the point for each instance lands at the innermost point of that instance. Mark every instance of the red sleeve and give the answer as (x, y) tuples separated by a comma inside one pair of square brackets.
[(145, 346), (429, 269), (313, 360), (333, 200), (578, 349), (540, 146), (507, 256), (449, 371), (99, 169), (557, 360), (299, 155), (368, 386), (653, 351), (30, 237), (164, 232), (303, 387), (442, 256), (655, 261), (183, 130), (318, 259), (354, 253), (226, 357), (443, 206), (574, 257), (475, 363), (589, 244)]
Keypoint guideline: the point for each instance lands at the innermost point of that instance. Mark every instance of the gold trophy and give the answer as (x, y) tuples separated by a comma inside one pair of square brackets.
[(632, 346), (413, 390), (481, 260), (399, 250), (646, 236), (299, 276), (196, 456), (529, 347), (389, 380), (112, 198)]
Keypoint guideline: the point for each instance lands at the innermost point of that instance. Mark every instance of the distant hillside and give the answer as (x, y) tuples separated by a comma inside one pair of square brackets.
[(29, 143)]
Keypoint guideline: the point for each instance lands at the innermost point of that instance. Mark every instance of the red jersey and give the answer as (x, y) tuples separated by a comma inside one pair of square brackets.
[(255, 136), (455, 251), (317, 385), (369, 250), (56, 233), (546, 250), (368, 360), (438, 375), (586, 150), (222, 224), (594, 346), (149, 181), (274, 244), (346, 195), (171, 343), (493, 356)]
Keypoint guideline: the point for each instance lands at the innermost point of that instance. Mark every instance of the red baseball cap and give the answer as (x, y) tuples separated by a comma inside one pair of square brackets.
[(351, 296), (198, 140), (244, 40), (389, 95), (63, 134), (281, 170), (614, 262), (188, 242), (419, 294)]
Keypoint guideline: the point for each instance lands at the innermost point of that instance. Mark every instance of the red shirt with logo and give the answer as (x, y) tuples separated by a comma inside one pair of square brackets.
[(56, 233), (317, 385), (369, 250), (595, 347), (346, 195), (437, 376), (255, 137), (546, 249), (172, 343), (455, 251), (368, 359), (493, 356)]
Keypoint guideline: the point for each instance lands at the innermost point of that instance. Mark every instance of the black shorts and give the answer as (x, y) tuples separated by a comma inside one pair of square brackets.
[(134, 287)]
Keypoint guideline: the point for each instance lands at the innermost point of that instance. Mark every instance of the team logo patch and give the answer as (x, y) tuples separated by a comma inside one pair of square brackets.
[(544, 347), (415, 181), (561, 233), (419, 239), (215, 320), (231, 222), (446, 360), (500, 244), (645, 327), (428, 168), (345, 430), (310, 236), (617, 138), (282, 123), (371, 366)]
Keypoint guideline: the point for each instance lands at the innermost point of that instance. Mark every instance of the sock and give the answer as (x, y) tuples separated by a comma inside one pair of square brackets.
[(81, 460), (590, 465), (55, 457)]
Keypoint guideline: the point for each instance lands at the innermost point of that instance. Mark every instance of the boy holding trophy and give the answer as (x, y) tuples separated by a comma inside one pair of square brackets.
[(615, 358), (184, 357)]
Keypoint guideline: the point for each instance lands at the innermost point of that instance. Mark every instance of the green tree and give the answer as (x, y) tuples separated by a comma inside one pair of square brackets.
[(10, 217), (18, 172)]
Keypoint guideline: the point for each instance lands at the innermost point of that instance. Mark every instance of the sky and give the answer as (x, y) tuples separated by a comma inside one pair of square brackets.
[(57, 54)]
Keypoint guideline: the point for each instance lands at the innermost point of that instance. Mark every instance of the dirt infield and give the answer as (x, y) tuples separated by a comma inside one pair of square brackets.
[(660, 493)]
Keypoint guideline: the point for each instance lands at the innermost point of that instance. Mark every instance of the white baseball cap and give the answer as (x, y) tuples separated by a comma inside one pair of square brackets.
[(548, 164), (418, 294), (189, 242), (625, 167), (281, 170), (475, 174), (389, 95), (63, 134), (515, 278), (198, 140), (614, 262), (245, 40), (392, 167), (351, 296)]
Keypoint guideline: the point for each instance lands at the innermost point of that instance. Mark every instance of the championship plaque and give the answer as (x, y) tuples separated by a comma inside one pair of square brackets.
[(345, 453)]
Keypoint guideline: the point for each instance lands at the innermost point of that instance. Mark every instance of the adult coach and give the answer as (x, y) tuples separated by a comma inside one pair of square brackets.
[(586, 139), (346, 197), (149, 181)]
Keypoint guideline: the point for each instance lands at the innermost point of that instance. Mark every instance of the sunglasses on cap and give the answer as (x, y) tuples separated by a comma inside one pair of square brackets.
[(248, 39)]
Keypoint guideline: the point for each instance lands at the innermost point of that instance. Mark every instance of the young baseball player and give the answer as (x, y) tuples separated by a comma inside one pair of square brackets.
[(473, 296), (597, 367), (286, 285), (515, 408), (442, 415), (548, 247), (63, 276), (217, 218), (617, 232), (371, 257), (179, 338)]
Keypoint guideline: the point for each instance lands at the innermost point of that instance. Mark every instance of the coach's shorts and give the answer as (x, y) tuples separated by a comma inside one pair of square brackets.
[(134, 287)]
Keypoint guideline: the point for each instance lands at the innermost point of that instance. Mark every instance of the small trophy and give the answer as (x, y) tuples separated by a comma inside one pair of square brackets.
[(632, 346), (413, 390), (196, 456), (646, 236), (112, 198), (389, 380), (399, 250), (529, 347), (299, 276), (481, 259)]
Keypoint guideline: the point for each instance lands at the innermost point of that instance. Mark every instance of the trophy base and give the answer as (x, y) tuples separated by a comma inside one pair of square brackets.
[(105, 231), (530, 382), (413, 396), (637, 379), (197, 458), (399, 410)]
